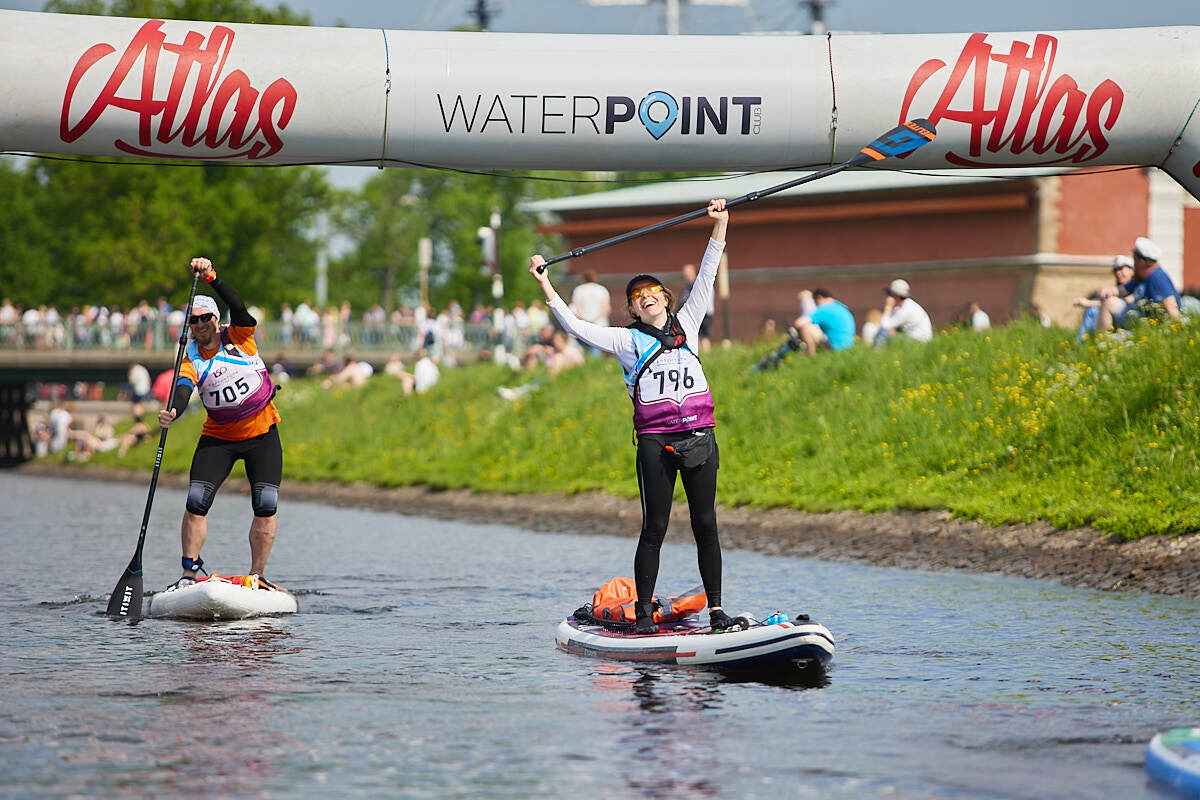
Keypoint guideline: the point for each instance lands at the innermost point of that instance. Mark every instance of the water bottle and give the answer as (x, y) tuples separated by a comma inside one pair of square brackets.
[(777, 617)]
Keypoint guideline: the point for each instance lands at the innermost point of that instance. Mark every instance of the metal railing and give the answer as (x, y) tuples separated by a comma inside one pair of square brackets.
[(361, 337)]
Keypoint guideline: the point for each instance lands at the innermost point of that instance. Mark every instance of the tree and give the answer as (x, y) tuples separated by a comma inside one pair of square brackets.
[(118, 231)]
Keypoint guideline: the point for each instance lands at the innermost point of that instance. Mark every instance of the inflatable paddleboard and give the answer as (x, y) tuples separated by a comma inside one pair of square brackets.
[(1173, 758), (216, 597), (800, 644)]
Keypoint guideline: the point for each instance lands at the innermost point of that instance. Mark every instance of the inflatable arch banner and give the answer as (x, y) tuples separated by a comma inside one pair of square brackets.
[(173, 89)]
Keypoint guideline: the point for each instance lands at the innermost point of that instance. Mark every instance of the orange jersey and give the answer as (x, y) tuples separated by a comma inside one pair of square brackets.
[(242, 429)]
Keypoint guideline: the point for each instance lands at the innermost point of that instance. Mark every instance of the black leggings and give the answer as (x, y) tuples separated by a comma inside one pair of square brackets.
[(656, 471), (214, 458)]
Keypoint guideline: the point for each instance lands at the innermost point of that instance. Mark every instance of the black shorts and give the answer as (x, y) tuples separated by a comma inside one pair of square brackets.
[(263, 456)]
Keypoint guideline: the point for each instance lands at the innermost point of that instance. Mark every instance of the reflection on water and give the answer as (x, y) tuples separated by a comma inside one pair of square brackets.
[(423, 664), (238, 642)]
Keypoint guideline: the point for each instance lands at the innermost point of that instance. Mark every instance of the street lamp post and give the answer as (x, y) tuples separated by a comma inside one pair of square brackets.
[(489, 245), (424, 260)]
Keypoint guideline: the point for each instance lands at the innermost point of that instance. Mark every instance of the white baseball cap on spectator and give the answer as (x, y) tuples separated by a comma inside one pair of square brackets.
[(1122, 261), (899, 288), (1146, 249)]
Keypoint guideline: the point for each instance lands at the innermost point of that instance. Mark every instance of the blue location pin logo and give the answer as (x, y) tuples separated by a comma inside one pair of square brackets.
[(657, 129)]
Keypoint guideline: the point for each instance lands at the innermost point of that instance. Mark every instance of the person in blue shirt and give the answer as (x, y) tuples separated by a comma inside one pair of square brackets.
[(830, 324), (1151, 293)]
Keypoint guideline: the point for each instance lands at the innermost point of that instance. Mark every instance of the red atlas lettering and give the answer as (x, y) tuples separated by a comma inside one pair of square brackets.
[(224, 112), (1033, 110)]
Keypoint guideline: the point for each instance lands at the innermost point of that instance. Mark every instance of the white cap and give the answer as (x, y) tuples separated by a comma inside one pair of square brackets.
[(899, 287), (1122, 261), (1146, 249), (203, 304)]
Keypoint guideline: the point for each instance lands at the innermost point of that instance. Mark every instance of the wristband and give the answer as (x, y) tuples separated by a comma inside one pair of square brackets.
[(212, 276)]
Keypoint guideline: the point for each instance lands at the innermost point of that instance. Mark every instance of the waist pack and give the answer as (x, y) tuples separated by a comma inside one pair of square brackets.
[(614, 603), (692, 451)]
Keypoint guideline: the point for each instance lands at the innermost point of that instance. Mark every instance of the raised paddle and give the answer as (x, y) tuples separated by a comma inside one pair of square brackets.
[(126, 599), (901, 140)]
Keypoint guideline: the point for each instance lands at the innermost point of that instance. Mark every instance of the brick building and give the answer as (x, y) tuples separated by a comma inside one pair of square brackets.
[(1008, 241)]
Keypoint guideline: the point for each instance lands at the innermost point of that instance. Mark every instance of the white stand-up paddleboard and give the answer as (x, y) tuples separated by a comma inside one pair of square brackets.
[(800, 644), (217, 597), (1173, 758)]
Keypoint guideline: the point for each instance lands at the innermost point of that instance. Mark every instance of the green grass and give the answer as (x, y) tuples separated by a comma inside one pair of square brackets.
[(1010, 426)]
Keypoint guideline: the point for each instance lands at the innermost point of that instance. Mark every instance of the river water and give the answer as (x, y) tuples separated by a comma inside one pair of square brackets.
[(422, 664)]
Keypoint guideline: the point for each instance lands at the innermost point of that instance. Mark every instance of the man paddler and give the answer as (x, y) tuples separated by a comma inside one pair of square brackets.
[(223, 364)]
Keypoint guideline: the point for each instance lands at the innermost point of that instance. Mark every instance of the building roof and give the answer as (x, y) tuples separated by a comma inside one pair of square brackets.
[(698, 191)]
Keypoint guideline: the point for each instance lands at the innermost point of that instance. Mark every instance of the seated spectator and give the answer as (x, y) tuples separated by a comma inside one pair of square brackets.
[(829, 325), (980, 321), (566, 353), (1152, 293), (281, 370), (542, 347), (870, 328), (137, 433), (1122, 269), (100, 438), (59, 423), (355, 373), (902, 314), (330, 364), (425, 372), (395, 368)]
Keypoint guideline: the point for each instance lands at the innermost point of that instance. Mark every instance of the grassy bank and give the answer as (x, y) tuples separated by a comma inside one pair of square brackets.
[(1018, 424)]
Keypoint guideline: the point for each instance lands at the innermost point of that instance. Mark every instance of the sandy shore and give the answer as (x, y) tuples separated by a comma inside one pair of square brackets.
[(929, 540)]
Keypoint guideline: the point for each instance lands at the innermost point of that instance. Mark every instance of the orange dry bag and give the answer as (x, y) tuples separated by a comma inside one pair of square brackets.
[(614, 602)]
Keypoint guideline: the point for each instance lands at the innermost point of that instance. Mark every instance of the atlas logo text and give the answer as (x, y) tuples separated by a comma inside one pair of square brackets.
[(1035, 111), (203, 107)]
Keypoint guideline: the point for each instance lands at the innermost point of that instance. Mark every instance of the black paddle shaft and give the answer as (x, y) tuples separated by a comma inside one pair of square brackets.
[(900, 140), (857, 161), (126, 599)]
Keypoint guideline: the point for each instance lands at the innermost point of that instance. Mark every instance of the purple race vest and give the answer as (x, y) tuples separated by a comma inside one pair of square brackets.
[(668, 387), (232, 385)]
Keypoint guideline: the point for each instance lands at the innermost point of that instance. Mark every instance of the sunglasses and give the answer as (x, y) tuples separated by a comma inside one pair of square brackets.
[(642, 291), (197, 319)]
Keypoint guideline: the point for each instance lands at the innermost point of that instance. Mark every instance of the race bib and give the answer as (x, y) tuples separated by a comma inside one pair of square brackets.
[(675, 375)]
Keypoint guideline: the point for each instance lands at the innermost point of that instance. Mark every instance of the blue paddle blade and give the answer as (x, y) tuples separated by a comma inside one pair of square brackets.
[(901, 140)]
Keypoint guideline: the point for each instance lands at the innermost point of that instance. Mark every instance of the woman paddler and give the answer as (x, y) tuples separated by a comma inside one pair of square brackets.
[(672, 413)]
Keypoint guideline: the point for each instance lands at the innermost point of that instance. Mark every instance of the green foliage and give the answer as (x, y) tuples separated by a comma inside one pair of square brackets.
[(397, 207), (135, 242), (119, 231), (208, 10), (1012, 426)]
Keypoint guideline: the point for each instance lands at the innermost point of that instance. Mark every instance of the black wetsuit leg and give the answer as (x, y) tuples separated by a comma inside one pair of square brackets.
[(211, 463), (700, 485), (264, 464), (214, 458), (656, 480)]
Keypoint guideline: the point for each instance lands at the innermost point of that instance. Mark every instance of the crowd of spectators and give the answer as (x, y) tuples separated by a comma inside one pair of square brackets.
[(1141, 289), (154, 326)]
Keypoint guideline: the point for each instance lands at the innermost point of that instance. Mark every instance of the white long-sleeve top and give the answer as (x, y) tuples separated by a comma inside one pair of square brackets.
[(909, 318), (619, 340)]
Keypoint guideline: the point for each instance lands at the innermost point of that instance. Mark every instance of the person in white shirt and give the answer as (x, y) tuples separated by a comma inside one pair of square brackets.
[(590, 301), (425, 373), (902, 314), (979, 318)]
